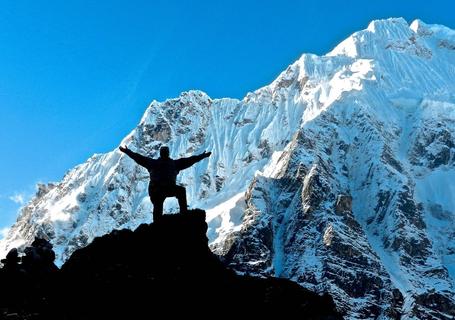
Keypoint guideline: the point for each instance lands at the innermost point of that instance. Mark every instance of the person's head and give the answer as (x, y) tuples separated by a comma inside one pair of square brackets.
[(164, 152)]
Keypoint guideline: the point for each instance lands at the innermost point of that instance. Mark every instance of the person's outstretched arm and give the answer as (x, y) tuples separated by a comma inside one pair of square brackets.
[(140, 159), (184, 163)]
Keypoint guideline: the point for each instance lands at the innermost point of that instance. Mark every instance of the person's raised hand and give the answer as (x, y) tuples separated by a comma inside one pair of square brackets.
[(207, 154), (123, 149)]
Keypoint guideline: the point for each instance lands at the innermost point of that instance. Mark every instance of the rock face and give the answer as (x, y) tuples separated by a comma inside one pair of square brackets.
[(163, 269), (338, 175)]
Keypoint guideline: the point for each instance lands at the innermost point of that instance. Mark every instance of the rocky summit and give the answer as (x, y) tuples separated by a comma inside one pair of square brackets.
[(338, 175), (160, 270)]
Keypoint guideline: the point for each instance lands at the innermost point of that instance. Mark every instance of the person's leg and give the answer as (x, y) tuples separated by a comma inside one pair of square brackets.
[(157, 209), (180, 194), (157, 200)]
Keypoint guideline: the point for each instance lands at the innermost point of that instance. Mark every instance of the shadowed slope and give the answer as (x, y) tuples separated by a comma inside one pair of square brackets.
[(165, 268)]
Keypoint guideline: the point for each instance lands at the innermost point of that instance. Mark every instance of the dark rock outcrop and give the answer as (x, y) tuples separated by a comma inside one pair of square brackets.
[(165, 269)]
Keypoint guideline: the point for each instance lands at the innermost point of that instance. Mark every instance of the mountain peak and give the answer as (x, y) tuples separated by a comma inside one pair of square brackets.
[(377, 35), (387, 25), (420, 27)]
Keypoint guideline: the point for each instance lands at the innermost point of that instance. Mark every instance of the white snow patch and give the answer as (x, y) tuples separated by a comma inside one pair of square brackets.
[(328, 235), (226, 217), (346, 48), (437, 191), (438, 187), (272, 168)]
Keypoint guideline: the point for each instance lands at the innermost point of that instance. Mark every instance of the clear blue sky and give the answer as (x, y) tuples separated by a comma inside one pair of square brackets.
[(76, 76)]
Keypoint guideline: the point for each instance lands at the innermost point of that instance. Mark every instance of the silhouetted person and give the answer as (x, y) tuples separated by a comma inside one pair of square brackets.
[(163, 174)]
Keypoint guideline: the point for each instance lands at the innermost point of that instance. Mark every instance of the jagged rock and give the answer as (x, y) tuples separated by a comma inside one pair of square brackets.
[(426, 303), (28, 282), (162, 269), (39, 258), (344, 203)]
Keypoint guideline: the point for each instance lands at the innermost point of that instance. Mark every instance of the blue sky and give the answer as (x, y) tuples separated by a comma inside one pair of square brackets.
[(76, 76)]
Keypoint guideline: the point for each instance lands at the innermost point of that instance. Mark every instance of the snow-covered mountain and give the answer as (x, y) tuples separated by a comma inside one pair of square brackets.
[(338, 175)]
